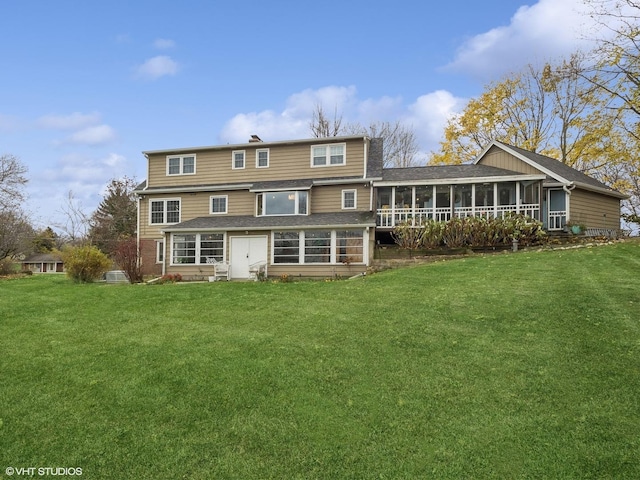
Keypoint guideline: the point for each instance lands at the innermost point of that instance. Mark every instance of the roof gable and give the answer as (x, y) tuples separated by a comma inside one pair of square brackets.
[(553, 168)]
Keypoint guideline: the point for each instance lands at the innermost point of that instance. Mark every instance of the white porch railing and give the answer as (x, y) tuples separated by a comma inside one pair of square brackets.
[(557, 219), (390, 217)]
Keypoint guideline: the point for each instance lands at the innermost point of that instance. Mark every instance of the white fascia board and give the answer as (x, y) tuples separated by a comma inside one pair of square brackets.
[(342, 181), (268, 227), (458, 181), (281, 189), (201, 188), (240, 146)]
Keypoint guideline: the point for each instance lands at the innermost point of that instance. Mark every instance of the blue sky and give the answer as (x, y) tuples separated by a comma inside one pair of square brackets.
[(87, 86)]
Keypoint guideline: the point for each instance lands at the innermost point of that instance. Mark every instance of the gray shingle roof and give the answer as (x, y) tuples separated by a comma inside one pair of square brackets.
[(43, 258), (559, 168), (442, 172), (248, 222)]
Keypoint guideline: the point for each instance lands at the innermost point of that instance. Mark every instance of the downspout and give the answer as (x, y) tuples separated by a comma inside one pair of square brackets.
[(139, 260), (568, 188), (164, 253)]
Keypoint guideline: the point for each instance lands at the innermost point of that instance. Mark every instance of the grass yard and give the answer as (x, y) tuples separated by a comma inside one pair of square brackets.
[(510, 366)]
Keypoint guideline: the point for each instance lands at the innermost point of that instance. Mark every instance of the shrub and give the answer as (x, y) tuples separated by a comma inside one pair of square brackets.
[(408, 236), (470, 232), (432, 234), (86, 263), (7, 266), (126, 257)]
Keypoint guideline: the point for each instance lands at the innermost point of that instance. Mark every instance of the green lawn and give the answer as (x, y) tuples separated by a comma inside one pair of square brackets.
[(510, 366)]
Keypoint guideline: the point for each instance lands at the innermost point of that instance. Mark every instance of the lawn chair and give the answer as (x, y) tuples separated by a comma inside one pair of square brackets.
[(220, 269)]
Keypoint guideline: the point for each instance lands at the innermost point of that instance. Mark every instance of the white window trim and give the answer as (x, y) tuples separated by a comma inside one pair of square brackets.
[(334, 248), (328, 155), (355, 199), (233, 159), (160, 251), (164, 215), (297, 204), (181, 157), (226, 204), (198, 248), (257, 157)]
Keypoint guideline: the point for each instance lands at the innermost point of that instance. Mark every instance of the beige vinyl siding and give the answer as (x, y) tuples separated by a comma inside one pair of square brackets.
[(594, 209), (147, 230), (498, 158), (325, 199), (294, 272), (286, 162), (193, 205)]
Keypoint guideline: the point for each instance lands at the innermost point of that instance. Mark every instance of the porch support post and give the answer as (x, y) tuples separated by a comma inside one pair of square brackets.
[(473, 199), (517, 197)]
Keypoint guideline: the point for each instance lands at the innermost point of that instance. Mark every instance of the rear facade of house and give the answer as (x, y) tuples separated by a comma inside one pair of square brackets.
[(300, 208), (318, 207)]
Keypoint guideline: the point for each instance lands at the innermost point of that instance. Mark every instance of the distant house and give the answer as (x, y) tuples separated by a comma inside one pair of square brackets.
[(317, 207), (43, 263)]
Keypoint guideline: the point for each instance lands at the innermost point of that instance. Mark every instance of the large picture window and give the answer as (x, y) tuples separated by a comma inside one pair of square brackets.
[(319, 246), (349, 246), (286, 247), (164, 211), (283, 203), (196, 248)]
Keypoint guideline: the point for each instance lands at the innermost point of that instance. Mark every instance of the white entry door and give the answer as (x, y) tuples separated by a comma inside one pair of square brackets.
[(245, 252)]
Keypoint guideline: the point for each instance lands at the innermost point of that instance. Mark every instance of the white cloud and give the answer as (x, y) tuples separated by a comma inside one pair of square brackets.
[(427, 116), (545, 31), (83, 175), (72, 121), (95, 135), (164, 43), (157, 67)]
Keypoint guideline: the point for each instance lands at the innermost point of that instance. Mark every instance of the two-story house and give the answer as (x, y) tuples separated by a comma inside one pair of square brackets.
[(316, 207)]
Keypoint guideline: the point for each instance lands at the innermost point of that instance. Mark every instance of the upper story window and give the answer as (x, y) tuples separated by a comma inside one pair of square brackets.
[(181, 165), (238, 157), (262, 158), (164, 211), (328, 155), (295, 202), (219, 203), (348, 199)]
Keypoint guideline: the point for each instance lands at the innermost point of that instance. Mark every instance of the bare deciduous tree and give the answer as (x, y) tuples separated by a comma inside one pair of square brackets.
[(400, 146), (76, 222), (321, 126), (12, 181), (16, 234)]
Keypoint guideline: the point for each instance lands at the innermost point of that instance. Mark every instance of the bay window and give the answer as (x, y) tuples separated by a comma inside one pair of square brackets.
[(294, 202)]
